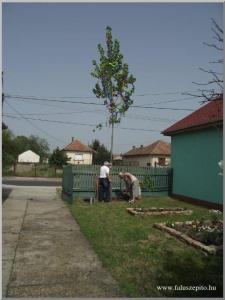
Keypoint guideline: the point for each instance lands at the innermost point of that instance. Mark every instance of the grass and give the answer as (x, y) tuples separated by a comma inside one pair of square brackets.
[(141, 257)]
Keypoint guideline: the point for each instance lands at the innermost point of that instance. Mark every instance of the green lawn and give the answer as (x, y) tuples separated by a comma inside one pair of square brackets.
[(141, 257)]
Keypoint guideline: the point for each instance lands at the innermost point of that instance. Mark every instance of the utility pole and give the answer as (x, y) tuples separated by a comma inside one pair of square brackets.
[(2, 92), (3, 97)]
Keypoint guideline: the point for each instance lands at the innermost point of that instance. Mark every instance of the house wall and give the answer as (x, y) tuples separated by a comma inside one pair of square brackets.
[(28, 157), (143, 161), (195, 158), (82, 158)]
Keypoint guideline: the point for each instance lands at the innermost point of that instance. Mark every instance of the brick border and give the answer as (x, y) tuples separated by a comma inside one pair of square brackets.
[(211, 249)]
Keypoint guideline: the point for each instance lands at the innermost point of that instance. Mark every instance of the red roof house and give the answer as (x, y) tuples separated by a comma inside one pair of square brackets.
[(157, 153), (78, 152)]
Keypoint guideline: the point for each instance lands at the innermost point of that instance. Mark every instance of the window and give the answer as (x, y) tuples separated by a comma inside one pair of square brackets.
[(149, 164), (161, 161), (78, 157)]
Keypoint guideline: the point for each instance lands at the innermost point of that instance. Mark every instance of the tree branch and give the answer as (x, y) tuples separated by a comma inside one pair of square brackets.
[(217, 26), (210, 71), (219, 61), (213, 46)]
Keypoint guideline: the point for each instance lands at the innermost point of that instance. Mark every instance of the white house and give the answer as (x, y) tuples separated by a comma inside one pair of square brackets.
[(78, 153), (28, 157), (153, 155)]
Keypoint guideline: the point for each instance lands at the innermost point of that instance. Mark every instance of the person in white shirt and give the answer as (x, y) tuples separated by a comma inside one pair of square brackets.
[(104, 182), (132, 185)]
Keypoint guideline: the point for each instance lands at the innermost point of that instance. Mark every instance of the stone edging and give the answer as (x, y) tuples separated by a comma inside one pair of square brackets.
[(158, 213), (211, 249)]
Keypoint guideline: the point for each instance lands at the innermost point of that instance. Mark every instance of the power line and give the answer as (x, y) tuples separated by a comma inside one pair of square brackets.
[(136, 95), (52, 100), (39, 103), (92, 103), (162, 108), (176, 100), (144, 117), (132, 116), (35, 126), (62, 113), (75, 123)]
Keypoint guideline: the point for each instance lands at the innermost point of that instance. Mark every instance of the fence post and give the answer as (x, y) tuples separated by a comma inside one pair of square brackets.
[(170, 182)]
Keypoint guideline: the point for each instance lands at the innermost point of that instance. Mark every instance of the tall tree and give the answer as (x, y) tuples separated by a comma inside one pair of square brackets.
[(101, 153), (12, 146), (9, 153), (39, 145), (34, 143), (22, 144), (115, 85), (58, 159)]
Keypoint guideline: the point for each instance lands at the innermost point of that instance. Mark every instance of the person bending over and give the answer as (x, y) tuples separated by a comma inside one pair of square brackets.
[(132, 185)]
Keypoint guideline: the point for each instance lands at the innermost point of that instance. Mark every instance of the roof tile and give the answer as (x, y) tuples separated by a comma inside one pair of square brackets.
[(206, 115), (76, 145), (157, 148)]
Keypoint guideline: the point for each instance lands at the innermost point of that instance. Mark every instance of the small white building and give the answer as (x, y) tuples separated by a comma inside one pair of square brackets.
[(28, 157), (78, 153)]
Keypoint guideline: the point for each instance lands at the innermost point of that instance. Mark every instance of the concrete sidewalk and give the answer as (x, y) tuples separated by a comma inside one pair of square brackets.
[(44, 252)]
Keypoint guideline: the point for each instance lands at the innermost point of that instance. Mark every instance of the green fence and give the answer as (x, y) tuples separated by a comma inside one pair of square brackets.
[(81, 180)]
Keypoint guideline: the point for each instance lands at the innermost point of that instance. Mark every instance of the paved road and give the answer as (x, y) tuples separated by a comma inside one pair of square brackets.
[(44, 252), (32, 181)]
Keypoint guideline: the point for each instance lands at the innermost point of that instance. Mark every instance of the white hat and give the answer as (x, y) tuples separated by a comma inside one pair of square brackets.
[(106, 163)]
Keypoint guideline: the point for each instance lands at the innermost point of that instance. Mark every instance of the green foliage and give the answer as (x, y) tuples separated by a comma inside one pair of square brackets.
[(34, 143), (12, 146), (214, 217), (9, 152), (211, 238), (147, 183), (115, 85), (58, 158), (101, 153), (39, 145)]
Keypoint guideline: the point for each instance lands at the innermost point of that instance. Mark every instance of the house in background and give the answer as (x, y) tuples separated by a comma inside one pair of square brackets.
[(28, 157), (78, 153), (197, 148), (153, 155), (117, 159)]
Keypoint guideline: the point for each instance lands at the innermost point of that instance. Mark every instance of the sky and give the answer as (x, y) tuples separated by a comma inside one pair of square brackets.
[(48, 50)]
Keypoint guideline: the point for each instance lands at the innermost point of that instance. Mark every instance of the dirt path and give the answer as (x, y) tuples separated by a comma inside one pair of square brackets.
[(44, 252)]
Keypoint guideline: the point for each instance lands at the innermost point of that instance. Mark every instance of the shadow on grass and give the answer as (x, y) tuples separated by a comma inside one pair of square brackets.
[(190, 270)]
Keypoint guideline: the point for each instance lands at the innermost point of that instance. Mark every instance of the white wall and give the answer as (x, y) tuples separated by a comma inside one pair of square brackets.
[(143, 161), (82, 158), (29, 157)]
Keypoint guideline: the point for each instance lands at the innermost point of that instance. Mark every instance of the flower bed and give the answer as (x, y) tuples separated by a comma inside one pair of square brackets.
[(159, 211), (205, 235)]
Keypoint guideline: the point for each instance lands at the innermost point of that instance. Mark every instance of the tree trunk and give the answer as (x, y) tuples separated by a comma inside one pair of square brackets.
[(111, 150), (111, 160)]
